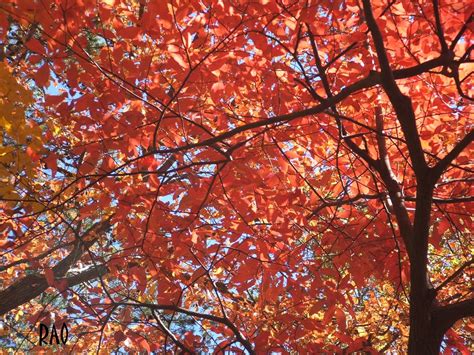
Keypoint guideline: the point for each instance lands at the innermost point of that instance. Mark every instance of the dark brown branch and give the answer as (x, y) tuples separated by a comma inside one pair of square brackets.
[(359, 197), (248, 346), (333, 111), (443, 164), (340, 202), (38, 257), (447, 200), (396, 203), (461, 33), (401, 103), (455, 274), (439, 27), (168, 332), (33, 285), (86, 275), (371, 80), (444, 317)]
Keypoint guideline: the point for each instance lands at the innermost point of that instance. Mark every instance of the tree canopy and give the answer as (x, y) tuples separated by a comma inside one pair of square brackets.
[(237, 176)]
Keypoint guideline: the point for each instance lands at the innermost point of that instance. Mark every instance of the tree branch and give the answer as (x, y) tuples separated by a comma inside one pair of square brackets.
[(33, 285), (439, 27), (455, 274), (168, 332), (397, 201), (371, 80), (401, 103), (442, 165), (222, 320), (444, 317)]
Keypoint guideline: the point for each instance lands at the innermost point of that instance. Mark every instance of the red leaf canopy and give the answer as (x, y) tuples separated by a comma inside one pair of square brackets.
[(288, 176)]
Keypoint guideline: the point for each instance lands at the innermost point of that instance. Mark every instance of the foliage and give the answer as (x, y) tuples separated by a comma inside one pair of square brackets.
[(237, 175), (21, 138)]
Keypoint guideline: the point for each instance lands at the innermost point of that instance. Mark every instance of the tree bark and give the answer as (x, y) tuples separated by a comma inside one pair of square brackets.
[(31, 286), (424, 341)]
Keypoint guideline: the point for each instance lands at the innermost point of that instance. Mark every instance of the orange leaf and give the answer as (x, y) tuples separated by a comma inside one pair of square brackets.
[(144, 345)]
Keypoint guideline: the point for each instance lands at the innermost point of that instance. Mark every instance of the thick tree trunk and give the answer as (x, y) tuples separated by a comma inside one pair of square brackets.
[(425, 338), (424, 343)]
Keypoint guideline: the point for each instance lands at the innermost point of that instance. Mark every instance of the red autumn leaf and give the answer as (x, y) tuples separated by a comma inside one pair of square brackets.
[(36, 46), (49, 275), (42, 75), (6, 244), (128, 32), (119, 336), (340, 318), (61, 284), (237, 176), (32, 154), (179, 59), (144, 345), (139, 275)]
